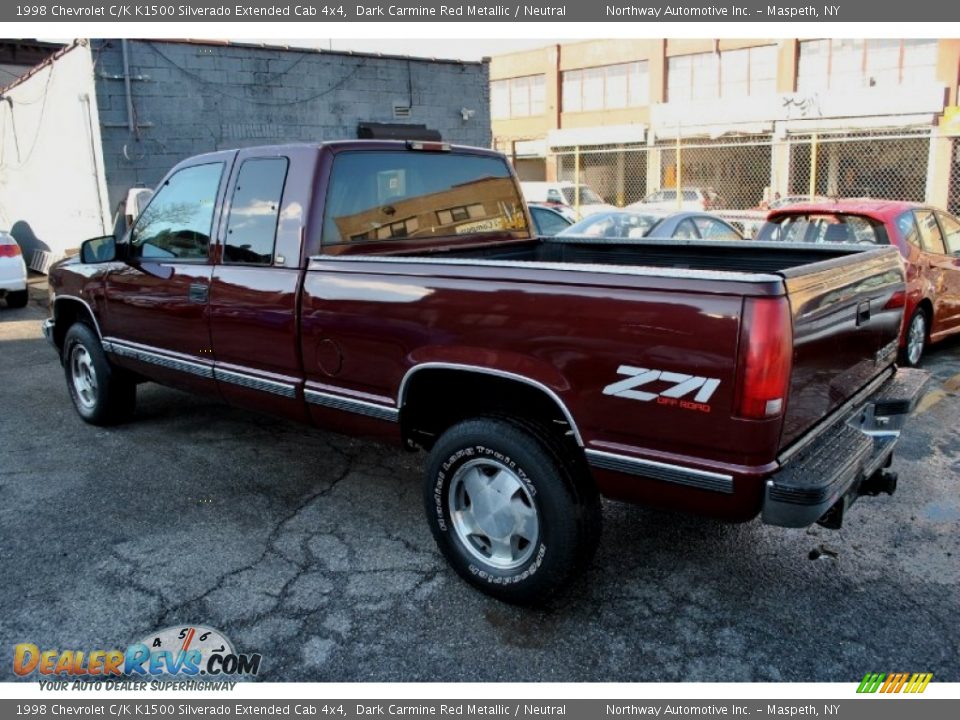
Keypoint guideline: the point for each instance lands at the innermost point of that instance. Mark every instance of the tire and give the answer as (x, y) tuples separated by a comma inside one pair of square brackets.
[(513, 513), (101, 394), (17, 299), (916, 346)]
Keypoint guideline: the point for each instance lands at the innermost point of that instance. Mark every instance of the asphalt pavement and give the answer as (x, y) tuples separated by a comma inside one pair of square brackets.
[(311, 549)]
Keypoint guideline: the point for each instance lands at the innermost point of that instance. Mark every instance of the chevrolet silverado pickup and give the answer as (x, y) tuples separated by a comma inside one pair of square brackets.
[(395, 291)]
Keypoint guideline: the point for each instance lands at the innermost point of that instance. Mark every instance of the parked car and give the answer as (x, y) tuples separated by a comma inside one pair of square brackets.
[(395, 290), (780, 202), (692, 198), (928, 240), (549, 219), (625, 224), (13, 272), (564, 195)]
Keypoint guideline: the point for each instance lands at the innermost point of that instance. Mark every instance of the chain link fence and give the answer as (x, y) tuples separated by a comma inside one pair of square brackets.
[(751, 172)]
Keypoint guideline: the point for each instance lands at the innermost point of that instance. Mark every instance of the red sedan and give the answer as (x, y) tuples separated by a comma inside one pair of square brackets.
[(928, 239)]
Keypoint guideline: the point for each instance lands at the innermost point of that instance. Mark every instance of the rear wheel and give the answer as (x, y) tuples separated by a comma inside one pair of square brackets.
[(17, 299), (509, 509), (101, 394), (916, 338)]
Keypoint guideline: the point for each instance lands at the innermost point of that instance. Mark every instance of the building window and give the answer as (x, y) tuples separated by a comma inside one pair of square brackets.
[(518, 97), (693, 77), (610, 87), (730, 73), (846, 64), (751, 71)]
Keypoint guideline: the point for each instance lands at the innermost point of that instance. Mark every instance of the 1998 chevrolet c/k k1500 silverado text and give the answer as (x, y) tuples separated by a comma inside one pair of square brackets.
[(394, 290)]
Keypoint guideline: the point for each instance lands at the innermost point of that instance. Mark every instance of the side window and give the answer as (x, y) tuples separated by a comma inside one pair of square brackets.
[(254, 209), (907, 227), (930, 232), (176, 224), (685, 231), (547, 221), (713, 230), (951, 232)]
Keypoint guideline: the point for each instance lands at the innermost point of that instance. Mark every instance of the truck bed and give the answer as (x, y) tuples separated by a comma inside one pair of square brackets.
[(738, 256)]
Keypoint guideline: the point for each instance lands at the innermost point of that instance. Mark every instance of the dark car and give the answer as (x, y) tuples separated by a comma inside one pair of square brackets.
[(928, 240), (627, 224)]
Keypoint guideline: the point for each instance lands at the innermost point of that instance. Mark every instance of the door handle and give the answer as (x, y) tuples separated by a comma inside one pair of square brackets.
[(863, 312), (199, 293)]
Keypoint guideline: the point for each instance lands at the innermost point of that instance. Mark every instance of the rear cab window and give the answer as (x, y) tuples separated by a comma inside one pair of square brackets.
[(377, 196), (824, 228)]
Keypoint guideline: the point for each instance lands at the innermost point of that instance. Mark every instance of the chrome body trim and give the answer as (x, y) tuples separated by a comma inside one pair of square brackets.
[(700, 479), (361, 407), (255, 382), (402, 392), (123, 349), (636, 271)]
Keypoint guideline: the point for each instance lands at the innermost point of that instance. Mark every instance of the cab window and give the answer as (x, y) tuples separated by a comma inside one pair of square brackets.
[(383, 196), (254, 209), (176, 224), (907, 227)]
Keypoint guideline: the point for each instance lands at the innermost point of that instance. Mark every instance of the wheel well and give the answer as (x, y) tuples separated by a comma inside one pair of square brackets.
[(435, 399), (927, 307), (66, 312)]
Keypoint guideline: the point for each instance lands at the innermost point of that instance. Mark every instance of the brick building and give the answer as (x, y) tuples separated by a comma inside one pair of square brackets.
[(101, 116)]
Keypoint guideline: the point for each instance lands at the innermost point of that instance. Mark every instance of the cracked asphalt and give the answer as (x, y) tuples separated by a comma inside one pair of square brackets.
[(311, 549)]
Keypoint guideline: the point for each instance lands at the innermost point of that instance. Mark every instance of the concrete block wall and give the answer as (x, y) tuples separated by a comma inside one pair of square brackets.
[(191, 98)]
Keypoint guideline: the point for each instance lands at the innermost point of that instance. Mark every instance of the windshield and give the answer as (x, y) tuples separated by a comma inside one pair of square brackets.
[(615, 225), (587, 196), (823, 228), (393, 195)]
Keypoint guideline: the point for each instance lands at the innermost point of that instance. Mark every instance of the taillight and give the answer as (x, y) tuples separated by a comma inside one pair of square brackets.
[(766, 345), (11, 250), (897, 300)]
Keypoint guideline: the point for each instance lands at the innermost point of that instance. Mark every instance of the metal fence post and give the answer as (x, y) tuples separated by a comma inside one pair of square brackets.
[(576, 180), (813, 166)]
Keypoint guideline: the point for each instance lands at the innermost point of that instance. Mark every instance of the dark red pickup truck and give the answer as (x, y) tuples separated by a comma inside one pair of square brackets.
[(394, 290)]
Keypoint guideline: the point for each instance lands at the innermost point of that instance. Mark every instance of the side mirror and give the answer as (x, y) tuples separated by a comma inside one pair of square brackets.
[(99, 250)]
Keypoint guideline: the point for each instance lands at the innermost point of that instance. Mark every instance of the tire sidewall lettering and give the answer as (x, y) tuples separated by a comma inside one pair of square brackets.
[(441, 512)]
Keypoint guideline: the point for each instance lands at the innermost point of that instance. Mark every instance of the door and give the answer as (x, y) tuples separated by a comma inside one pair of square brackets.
[(950, 265), (253, 296), (156, 311), (939, 267)]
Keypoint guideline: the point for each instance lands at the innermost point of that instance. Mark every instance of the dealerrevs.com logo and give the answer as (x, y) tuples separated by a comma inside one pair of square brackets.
[(894, 682), (189, 651)]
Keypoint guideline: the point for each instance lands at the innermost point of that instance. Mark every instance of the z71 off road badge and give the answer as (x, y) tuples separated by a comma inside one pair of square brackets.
[(667, 388)]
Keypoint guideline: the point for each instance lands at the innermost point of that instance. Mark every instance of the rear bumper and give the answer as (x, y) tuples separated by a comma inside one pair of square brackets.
[(826, 475)]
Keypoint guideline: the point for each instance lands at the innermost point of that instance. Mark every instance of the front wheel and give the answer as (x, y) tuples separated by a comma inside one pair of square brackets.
[(509, 509), (17, 299), (916, 338), (101, 394)]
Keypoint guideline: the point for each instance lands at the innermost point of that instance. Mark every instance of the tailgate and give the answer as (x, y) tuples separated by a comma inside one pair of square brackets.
[(846, 324)]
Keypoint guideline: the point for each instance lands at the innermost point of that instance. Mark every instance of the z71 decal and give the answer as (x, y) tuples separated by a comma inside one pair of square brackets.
[(671, 387)]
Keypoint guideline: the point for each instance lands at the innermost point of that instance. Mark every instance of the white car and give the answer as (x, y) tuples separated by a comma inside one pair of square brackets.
[(13, 272), (693, 198), (563, 194)]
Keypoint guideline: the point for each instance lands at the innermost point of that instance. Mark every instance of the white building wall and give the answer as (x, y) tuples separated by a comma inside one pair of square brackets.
[(52, 189)]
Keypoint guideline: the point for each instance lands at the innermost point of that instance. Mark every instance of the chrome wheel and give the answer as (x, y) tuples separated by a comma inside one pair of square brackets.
[(493, 514), (916, 337), (83, 376)]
